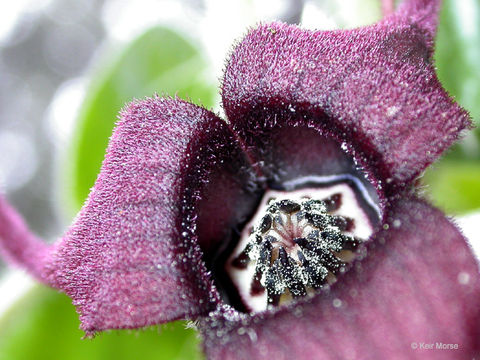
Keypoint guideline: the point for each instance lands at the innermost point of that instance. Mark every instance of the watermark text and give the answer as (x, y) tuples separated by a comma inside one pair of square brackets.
[(433, 346)]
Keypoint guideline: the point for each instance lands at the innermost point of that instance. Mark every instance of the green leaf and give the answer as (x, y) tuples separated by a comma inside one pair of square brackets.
[(454, 186), (44, 325), (159, 61)]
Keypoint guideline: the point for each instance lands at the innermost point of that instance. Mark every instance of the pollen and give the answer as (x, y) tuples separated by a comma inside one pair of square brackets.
[(296, 245)]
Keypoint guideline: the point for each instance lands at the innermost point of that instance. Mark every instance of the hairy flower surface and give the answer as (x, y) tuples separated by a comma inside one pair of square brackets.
[(307, 111)]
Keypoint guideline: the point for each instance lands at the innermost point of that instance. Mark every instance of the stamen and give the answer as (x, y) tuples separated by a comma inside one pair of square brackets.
[(278, 271), (295, 247), (287, 206)]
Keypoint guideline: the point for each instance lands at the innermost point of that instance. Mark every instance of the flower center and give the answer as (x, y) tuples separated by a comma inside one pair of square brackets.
[(296, 243)]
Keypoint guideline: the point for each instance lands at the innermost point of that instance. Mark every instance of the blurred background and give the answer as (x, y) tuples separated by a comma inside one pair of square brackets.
[(67, 67)]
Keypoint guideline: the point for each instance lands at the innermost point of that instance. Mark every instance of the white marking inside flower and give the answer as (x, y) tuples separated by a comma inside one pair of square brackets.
[(243, 277)]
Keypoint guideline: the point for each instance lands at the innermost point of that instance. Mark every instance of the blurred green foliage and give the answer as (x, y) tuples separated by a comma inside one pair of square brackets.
[(44, 326), (453, 183), (458, 52)]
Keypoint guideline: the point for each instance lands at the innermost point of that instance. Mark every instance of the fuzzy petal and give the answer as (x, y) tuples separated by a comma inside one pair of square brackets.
[(373, 89), (422, 13), (419, 283), (18, 245), (173, 181)]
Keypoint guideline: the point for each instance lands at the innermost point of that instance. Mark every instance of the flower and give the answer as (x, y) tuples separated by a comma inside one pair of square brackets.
[(177, 181)]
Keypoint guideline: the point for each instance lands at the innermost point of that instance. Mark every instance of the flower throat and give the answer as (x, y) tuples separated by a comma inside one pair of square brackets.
[(297, 243)]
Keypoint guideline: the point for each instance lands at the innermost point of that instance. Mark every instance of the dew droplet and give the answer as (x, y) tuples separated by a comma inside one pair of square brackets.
[(337, 303), (463, 278)]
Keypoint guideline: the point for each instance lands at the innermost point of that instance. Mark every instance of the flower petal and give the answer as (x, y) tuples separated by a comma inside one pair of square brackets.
[(373, 89), (19, 245), (173, 179), (419, 284), (422, 13)]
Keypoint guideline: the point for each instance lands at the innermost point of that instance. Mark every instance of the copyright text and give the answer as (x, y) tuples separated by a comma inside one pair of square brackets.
[(433, 346)]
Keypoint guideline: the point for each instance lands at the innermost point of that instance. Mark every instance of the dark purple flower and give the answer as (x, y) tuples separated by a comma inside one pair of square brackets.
[(305, 110)]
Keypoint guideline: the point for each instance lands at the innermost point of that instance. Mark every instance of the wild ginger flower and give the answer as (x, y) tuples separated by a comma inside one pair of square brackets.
[(254, 226)]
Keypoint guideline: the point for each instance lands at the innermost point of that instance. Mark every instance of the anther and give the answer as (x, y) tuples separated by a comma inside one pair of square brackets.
[(265, 224), (316, 275), (288, 206), (265, 256)]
